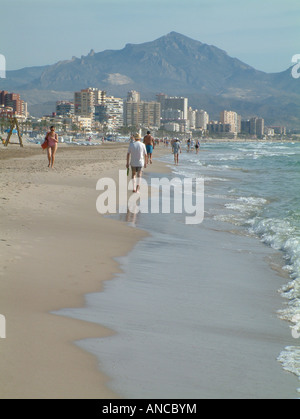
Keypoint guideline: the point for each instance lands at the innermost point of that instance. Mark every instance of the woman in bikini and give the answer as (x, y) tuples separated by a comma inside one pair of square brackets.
[(52, 139)]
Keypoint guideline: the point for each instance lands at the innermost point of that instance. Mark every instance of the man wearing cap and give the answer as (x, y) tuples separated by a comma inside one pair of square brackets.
[(137, 155)]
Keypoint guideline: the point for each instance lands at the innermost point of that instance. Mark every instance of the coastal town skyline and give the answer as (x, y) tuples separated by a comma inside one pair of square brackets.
[(93, 110), (263, 35)]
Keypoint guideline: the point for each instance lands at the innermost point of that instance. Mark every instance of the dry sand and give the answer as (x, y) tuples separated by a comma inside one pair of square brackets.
[(55, 248)]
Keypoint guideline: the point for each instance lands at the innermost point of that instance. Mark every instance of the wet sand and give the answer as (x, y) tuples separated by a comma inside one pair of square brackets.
[(55, 248)]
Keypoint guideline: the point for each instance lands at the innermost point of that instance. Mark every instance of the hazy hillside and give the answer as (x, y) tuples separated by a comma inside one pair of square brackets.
[(173, 64)]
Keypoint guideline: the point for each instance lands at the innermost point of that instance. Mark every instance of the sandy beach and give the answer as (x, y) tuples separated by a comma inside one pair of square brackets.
[(55, 248)]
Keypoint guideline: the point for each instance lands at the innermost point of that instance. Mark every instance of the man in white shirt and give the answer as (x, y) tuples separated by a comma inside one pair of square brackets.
[(137, 154)]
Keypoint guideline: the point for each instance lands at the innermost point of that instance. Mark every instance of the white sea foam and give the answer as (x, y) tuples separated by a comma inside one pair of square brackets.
[(264, 198), (283, 236), (290, 360)]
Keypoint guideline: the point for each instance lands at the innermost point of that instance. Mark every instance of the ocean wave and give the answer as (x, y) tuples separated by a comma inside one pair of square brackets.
[(274, 217), (282, 235), (290, 360), (245, 208)]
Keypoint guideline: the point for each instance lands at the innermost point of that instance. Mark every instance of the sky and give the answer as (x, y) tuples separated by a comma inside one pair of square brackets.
[(262, 33)]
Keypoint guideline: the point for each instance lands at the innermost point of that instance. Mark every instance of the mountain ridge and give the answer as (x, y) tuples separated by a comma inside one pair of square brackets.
[(173, 64)]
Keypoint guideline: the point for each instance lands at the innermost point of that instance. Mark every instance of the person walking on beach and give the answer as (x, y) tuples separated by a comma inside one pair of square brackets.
[(197, 146), (52, 140), (137, 156), (150, 144), (176, 149), (188, 144)]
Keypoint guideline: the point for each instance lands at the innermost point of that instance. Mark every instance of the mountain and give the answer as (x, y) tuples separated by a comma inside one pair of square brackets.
[(176, 65)]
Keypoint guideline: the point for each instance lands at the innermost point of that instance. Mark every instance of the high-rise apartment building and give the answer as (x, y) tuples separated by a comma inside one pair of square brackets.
[(202, 119), (3, 93), (86, 99), (254, 126), (133, 96), (150, 114), (176, 106), (167, 102), (232, 118), (192, 118), (110, 114), (64, 108), (245, 126), (145, 114), (138, 113), (13, 101), (257, 127)]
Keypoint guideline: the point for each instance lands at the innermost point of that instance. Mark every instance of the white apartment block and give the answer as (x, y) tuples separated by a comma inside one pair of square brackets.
[(180, 103), (172, 114), (192, 118), (197, 119), (232, 118), (172, 126), (202, 119), (114, 112)]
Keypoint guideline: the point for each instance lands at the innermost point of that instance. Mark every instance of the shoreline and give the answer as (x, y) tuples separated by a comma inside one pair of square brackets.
[(52, 243), (221, 340)]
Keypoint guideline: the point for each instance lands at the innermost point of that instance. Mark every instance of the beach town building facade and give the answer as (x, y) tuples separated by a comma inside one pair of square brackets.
[(254, 127), (140, 113), (201, 119), (217, 127), (231, 124), (231, 118), (278, 130), (86, 99), (94, 109), (110, 113), (174, 112), (65, 108), (192, 118), (94, 104), (257, 127), (12, 105)]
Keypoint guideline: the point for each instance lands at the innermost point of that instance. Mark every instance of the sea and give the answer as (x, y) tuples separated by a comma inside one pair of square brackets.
[(252, 187)]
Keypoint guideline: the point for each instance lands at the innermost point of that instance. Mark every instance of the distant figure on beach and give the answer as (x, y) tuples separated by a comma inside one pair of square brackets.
[(176, 149), (137, 157), (197, 146), (52, 139), (150, 144), (188, 144)]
